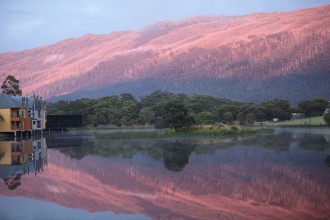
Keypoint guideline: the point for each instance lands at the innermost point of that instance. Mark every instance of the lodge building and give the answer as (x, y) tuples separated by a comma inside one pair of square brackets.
[(22, 114)]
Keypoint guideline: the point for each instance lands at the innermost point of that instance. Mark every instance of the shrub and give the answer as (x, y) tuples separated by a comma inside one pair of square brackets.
[(326, 118)]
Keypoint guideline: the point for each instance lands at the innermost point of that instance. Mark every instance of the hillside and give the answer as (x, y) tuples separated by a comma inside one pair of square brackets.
[(247, 58)]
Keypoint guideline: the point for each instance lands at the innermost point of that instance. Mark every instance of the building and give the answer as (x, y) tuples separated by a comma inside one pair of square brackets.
[(64, 121), (14, 115), (297, 115), (36, 112), (22, 114), (327, 111)]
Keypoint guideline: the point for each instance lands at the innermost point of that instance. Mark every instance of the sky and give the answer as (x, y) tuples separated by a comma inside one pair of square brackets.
[(27, 24)]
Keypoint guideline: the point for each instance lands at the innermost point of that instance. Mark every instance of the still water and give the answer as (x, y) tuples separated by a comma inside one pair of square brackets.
[(284, 175)]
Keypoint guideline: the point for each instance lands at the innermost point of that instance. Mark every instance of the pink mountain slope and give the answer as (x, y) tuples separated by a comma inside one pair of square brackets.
[(255, 47)]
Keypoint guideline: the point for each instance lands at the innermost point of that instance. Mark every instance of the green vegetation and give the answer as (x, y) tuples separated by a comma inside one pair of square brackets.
[(10, 86), (313, 108), (217, 130), (326, 118), (175, 115), (179, 111)]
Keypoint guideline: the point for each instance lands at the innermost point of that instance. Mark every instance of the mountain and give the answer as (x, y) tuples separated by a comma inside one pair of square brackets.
[(245, 58)]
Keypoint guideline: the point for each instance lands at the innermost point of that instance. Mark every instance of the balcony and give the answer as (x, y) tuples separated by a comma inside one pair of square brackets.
[(17, 125), (16, 118)]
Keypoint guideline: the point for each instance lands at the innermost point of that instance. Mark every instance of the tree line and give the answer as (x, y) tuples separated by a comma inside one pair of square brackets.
[(166, 109)]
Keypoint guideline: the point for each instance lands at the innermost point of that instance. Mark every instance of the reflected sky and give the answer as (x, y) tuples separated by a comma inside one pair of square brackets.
[(41, 210), (280, 176)]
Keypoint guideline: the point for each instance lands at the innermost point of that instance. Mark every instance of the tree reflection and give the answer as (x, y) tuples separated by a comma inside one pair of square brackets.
[(13, 181), (313, 142), (327, 161), (75, 153), (176, 155), (175, 152), (277, 142)]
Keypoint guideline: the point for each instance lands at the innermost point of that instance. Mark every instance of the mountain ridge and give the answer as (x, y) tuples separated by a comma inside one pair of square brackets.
[(252, 48)]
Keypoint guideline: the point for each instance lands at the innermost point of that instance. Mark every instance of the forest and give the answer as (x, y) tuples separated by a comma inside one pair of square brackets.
[(125, 110)]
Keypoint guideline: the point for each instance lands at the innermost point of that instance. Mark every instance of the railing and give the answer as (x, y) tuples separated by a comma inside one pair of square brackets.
[(16, 118), (15, 127)]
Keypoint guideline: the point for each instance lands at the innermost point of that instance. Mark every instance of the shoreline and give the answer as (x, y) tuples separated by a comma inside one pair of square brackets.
[(194, 132)]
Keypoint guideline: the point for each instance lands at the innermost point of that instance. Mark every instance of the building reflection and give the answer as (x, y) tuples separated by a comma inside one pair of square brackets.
[(18, 158)]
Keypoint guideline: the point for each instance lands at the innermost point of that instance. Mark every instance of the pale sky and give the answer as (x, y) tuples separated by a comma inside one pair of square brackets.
[(31, 23)]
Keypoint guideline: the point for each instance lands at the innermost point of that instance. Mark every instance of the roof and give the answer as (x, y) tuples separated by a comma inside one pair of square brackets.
[(31, 100), (7, 101), (19, 99)]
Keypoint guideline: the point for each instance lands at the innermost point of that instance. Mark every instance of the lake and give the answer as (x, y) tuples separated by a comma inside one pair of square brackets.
[(283, 175)]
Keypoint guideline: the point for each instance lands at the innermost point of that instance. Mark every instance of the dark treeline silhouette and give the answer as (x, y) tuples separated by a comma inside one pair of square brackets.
[(126, 110)]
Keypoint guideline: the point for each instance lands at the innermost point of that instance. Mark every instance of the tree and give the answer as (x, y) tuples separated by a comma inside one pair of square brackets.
[(277, 108), (11, 86), (228, 116), (127, 96), (176, 115), (314, 107), (250, 118), (205, 118), (326, 118), (147, 115), (240, 118)]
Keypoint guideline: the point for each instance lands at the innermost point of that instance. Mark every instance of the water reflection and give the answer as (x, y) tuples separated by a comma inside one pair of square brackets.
[(273, 176), (314, 142), (327, 161), (175, 153), (18, 158), (279, 142)]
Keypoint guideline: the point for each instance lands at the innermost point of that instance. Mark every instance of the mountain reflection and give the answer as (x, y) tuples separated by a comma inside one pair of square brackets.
[(18, 158), (253, 177)]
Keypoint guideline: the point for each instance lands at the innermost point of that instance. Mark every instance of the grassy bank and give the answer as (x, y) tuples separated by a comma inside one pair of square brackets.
[(218, 130), (314, 121)]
